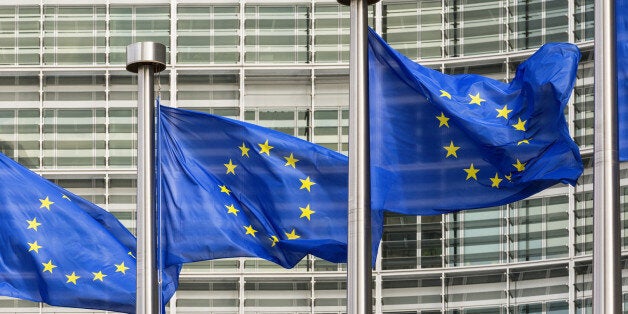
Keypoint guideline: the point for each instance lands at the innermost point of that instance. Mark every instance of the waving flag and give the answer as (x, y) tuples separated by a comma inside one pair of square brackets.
[(59, 249), (443, 143), (233, 189)]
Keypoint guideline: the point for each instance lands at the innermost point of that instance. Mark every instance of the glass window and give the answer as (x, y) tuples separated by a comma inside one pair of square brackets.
[(122, 200), (584, 222), (278, 90), (289, 121), (130, 24), (208, 34), (410, 292), (529, 285), (583, 101), (277, 34), (583, 17), (74, 138), (123, 89), (88, 90), (537, 22), (400, 247), (198, 296), (196, 90), (476, 290), (283, 296), (19, 35), (122, 137), (74, 35), (414, 28), (476, 237), (19, 135), (330, 296), (474, 27), (331, 33)]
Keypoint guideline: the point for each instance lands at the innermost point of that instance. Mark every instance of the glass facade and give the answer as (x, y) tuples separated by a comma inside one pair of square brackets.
[(67, 111)]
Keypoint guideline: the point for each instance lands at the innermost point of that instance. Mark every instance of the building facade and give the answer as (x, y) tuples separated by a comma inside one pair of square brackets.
[(68, 111)]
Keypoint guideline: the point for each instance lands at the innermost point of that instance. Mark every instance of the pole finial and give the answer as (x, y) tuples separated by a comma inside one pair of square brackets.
[(145, 53), (348, 2)]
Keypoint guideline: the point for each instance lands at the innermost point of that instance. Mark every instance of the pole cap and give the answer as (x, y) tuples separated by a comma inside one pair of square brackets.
[(348, 2), (145, 53)]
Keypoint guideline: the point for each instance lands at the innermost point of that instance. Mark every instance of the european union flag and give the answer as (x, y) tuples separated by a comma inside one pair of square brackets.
[(234, 189), (62, 250), (443, 143)]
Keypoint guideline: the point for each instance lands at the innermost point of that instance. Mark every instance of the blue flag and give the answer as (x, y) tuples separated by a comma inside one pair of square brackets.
[(233, 189), (621, 50), (443, 143), (62, 250)]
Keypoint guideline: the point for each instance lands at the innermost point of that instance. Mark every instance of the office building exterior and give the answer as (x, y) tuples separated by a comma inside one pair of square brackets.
[(68, 111)]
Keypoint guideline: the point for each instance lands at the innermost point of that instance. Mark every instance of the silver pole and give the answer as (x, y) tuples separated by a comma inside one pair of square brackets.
[(606, 230), (359, 274), (146, 58)]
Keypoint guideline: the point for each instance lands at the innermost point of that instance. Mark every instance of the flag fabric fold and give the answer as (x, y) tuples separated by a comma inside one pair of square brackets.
[(621, 57), (234, 189), (62, 250), (441, 143)]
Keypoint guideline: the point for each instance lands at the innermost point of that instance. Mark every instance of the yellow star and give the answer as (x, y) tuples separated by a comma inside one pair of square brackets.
[(232, 210), (291, 161), (306, 184), (521, 125), (471, 172), (33, 224), (292, 235), (503, 112), (45, 203), (224, 189), (130, 254), (443, 93), (496, 181), (230, 167), (508, 177), (306, 212), (476, 99), (250, 230), (34, 247), (274, 239), (520, 166), (442, 120), (244, 150), (72, 278), (265, 148), (120, 268), (524, 141), (451, 149), (66, 197), (48, 266), (99, 276)]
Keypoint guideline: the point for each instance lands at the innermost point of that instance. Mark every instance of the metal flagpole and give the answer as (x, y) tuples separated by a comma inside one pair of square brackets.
[(146, 59), (359, 274), (606, 219)]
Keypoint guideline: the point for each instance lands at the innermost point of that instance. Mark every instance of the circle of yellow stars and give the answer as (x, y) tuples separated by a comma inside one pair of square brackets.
[(49, 266), (451, 150), (306, 183)]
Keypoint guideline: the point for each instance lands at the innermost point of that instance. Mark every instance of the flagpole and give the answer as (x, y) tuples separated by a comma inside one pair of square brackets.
[(359, 273), (146, 59), (607, 294)]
